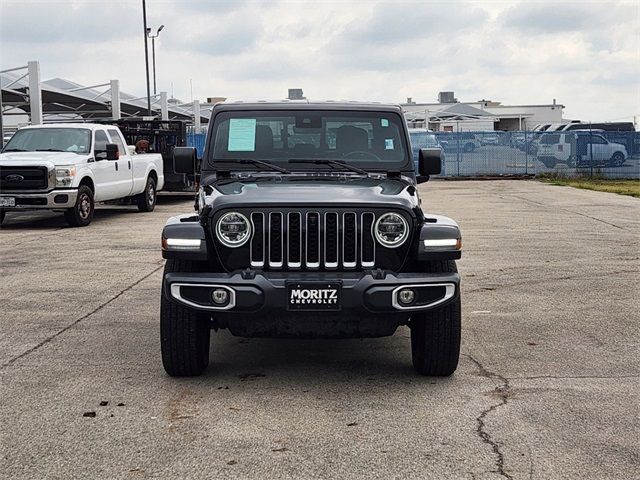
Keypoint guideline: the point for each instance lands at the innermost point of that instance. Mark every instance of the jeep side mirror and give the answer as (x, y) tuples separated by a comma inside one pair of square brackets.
[(112, 151), (429, 162), (184, 160)]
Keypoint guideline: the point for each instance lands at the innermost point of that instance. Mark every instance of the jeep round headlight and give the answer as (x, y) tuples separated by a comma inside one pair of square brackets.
[(233, 229), (391, 230)]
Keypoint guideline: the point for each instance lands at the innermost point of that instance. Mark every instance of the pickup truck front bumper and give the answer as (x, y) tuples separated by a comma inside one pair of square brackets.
[(53, 200), (368, 292)]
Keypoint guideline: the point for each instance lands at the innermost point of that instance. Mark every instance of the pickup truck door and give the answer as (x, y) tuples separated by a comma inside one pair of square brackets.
[(599, 149), (104, 171), (123, 167)]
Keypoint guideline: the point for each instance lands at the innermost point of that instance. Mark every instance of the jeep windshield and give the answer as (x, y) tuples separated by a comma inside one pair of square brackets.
[(294, 139), (76, 140)]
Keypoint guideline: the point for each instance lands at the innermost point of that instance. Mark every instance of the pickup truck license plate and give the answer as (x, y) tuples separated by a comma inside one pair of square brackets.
[(7, 202), (313, 295)]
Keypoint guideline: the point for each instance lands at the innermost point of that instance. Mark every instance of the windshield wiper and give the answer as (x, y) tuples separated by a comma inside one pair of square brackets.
[(13, 150), (325, 161), (256, 162), (49, 150)]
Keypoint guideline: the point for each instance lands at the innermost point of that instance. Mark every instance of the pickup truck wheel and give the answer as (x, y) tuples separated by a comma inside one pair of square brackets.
[(184, 333), (617, 159), (81, 214), (147, 199), (435, 334)]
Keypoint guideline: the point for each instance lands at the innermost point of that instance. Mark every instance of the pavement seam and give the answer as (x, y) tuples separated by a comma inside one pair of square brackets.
[(78, 320), (569, 211), (547, 280), (576, 377), (503, 392)]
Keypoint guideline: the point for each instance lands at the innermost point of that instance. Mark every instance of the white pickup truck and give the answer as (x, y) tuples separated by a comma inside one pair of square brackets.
[(69, 167)]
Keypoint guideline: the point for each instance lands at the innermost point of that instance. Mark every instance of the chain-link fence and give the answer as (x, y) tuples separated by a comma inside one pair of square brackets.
[(609, 154), (492, 153)]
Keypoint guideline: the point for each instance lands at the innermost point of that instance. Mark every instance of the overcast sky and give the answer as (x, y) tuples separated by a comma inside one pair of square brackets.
[(584, 54)]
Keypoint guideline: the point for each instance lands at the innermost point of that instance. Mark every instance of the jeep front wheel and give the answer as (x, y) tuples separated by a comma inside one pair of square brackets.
[(435, 334), (184, 333)]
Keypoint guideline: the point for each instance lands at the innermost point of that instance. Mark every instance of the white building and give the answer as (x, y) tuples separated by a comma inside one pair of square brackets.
[(480, 116)]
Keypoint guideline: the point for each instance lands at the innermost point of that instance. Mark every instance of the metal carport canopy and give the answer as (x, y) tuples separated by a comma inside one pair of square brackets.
[(55, 100)]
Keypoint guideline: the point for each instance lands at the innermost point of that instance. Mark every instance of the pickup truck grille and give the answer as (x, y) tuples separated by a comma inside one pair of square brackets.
[(23, 178), (312, 240)]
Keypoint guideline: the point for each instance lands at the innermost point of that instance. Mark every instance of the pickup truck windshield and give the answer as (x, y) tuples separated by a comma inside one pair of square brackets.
[(369, 140), (76, 140)]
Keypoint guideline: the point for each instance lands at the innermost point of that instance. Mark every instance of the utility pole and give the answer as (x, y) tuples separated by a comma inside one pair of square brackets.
[(153, 54), (146, 54)]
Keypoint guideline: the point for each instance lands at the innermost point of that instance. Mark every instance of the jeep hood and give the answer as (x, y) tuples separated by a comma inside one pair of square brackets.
[(313, 191)]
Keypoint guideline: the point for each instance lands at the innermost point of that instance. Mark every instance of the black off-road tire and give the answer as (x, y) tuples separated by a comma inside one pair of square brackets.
[(184, 333), (2, 215), (81, 214), (435, 334), (147, 200)]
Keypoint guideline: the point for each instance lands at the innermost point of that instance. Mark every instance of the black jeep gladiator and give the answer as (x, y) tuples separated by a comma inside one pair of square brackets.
[(308, 224)]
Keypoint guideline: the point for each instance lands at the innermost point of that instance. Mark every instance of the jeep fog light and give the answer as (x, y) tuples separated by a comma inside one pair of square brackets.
[(233, 229), (406, 296), (220, 296), (391, 230)]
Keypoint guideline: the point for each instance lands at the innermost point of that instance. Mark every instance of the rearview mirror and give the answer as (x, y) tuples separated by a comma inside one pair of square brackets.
[(184, 160), (429, 161), (112, 151)]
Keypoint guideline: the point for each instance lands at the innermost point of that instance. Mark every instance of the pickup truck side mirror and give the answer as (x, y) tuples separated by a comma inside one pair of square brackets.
[(429, 162), (112, 151), (184, 160)]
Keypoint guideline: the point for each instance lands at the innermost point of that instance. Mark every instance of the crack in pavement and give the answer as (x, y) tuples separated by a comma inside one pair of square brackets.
[(503, 392), (78, 320)]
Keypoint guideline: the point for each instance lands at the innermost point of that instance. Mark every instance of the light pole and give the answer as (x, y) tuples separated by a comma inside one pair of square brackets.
[(146, 54), (153, 52)]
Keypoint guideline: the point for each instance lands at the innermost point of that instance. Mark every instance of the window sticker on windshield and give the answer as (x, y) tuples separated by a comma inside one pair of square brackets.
[(384, 122), (388, 143), (242, 135)]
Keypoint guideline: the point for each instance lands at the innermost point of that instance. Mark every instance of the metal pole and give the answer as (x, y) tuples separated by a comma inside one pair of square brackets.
[(115, 100), (153, 54), (1, 122), (146, 54), (35, 93)]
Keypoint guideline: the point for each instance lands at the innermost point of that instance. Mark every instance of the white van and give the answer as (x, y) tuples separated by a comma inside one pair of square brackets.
[(580, 149)]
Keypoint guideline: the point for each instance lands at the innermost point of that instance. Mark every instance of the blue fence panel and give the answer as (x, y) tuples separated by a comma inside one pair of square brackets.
[(610, 154), (197, 140)]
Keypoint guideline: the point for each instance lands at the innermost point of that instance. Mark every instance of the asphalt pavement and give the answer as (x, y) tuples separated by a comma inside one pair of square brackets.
[(547, 387)]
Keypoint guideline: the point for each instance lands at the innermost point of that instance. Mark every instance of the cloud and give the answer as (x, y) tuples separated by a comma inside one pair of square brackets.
[(582, 53)]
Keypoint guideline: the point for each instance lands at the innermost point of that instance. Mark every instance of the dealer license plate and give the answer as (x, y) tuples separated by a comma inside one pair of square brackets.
[(7, 202), (314, 295)]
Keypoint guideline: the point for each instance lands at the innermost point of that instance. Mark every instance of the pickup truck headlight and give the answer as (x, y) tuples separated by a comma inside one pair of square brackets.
[(391, 230), (233, 229), (65, 175)]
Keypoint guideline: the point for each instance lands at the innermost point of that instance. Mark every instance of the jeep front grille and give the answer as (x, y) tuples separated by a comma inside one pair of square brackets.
[(312, 240)]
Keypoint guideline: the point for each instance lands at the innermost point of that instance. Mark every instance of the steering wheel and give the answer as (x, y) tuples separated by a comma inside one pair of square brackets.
[(362, 153)]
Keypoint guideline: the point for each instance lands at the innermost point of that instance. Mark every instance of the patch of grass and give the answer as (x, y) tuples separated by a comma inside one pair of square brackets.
[(621, 187)]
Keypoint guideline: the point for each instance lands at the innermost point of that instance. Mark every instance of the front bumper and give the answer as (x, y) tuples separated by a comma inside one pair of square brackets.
[(361, 293), (55, 199)]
